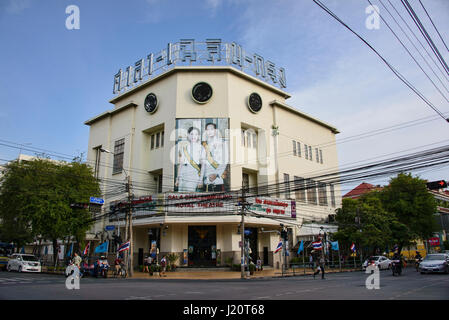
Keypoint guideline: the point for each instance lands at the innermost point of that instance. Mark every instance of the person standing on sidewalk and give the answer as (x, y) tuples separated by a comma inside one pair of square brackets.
[(163, 265), (311, 260)]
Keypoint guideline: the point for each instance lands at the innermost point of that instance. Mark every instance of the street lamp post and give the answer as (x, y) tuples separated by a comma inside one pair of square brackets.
[(128, 219)]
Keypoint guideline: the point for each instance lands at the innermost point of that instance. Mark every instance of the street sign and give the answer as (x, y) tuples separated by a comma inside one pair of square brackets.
[(96, 200), (110, 228)]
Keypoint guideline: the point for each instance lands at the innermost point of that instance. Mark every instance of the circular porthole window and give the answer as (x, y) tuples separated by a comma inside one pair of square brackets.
[(254, 102), (201, 92), (151, 103)]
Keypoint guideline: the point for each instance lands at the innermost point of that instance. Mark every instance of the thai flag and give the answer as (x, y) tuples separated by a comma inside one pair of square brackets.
[(86, 249), (124, 247), (353, 247), (279, 247), (317, 245)]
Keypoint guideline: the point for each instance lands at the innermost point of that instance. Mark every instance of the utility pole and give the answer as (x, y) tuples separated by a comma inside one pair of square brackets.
[(242, 234), (130, 226)]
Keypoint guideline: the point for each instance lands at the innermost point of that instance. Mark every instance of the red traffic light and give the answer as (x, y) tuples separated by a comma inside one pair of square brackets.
[(435, 185)]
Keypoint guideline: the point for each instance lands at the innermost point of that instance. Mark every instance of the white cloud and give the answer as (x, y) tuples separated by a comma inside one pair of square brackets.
[(17, 6)]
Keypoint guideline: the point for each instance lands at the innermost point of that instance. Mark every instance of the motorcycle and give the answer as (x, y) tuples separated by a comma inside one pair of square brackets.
[(102, 268), (121, 272), (396, 267), (417, 262), (87, 269)]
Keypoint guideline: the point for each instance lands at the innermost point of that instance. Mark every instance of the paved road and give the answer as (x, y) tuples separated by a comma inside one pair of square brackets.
[(338, 286)]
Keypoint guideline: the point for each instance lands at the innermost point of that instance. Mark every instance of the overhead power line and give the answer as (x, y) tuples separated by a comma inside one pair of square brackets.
[(433, 25), (397, 73)]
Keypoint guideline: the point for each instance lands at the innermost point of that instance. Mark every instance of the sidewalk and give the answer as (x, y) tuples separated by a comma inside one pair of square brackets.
[(218, 275)]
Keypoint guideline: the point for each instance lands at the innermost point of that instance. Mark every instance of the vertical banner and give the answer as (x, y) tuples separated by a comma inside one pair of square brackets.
[(202, 155), (293, 209)]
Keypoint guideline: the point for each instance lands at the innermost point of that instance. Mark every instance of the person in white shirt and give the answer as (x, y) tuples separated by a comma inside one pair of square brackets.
[(189, 155), (214, 159)]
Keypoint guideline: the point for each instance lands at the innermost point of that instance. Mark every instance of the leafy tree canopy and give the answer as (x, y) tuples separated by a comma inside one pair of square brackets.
[(398, 214), (35, 198)]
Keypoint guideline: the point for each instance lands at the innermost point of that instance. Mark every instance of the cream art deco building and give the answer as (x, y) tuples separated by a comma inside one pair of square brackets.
[(190, 126)]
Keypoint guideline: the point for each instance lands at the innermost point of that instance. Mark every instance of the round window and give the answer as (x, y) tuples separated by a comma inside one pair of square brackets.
[(254, 102), (151, 103), (201, 92)]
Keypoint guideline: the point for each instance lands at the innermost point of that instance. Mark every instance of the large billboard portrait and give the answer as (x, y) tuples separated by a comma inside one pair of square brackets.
[(202, 155)]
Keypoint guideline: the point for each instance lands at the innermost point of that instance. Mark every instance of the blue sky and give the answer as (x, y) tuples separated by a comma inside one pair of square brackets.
[(53, 79)]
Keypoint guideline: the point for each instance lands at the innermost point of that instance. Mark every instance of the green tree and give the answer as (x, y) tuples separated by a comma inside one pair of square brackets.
[(413, 206), (35, 198), (365, 222)]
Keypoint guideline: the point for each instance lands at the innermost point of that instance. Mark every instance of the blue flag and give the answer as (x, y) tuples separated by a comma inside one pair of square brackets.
[(69, 253), (335, 246), (102, 247), (301, 247)]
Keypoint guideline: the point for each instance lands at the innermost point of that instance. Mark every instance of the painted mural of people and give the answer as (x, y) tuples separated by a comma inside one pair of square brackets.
[(189, 157), (215, 159)]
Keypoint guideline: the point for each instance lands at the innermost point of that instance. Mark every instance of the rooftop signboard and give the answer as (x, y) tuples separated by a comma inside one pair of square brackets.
[(188, 52)]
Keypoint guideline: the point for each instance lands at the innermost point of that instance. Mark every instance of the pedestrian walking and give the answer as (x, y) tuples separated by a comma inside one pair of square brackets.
[(322, 264), (77, 260), (320, 268)]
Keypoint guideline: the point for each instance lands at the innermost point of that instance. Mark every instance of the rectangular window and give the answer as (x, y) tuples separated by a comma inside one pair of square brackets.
[(97, 161), (306, 149), (245, 178), (162, 139), (119, 151), (331, 187), (317, 155), (248, 139), (159, 183), (310, 153), (321, 156), (298, 148), (294, 147), (243, 138), (311, 191), (300, 189), (287, 185), (322, 194), (152, 141), (254, 140), (157, 139)]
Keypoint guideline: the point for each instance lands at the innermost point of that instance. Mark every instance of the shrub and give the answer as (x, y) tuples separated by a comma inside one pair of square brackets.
[(296, 260), (172, 258)]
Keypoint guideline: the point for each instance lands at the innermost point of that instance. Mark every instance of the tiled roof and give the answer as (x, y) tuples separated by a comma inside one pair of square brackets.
[(360, 190)]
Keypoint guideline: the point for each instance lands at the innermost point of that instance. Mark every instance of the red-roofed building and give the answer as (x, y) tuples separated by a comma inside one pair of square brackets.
[(360, 190)]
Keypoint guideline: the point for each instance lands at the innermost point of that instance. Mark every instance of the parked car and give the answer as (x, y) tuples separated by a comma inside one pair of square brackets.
[(24, 262), (438, 262), (381, 262)]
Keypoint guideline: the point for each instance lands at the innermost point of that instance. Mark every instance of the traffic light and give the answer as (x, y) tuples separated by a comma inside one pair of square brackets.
[(284, 235), (435, 185)]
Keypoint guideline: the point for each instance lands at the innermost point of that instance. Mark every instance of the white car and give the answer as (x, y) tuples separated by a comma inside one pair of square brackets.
[(381, 262), (24, 262)]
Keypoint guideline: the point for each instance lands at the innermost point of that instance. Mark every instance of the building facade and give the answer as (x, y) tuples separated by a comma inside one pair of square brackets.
[(187, 141)]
